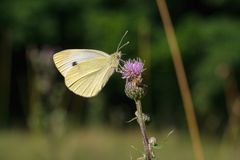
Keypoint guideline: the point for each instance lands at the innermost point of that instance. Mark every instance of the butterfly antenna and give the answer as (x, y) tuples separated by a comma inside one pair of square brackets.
[(123, 45), (119, 44)]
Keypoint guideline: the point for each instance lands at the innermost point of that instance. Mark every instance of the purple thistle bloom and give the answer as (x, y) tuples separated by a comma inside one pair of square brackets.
[(132, 69)]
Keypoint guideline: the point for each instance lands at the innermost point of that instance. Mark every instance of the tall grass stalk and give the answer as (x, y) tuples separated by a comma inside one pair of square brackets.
[(182, 80)]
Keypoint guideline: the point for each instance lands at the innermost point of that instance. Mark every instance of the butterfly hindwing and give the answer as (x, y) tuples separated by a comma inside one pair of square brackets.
[(89, 77)]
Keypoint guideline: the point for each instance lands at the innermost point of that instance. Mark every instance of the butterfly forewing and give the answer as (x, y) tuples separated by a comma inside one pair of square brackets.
[(67, 59)]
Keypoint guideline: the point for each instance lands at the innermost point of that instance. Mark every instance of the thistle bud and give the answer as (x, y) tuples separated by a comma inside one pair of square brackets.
[(133, 91), (152, 141)]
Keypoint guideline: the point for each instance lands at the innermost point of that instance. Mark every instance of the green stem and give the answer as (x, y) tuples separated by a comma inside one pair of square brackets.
[(141, 122)]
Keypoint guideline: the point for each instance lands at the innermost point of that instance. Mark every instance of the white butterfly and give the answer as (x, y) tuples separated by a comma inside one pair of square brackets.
[(86, 71)]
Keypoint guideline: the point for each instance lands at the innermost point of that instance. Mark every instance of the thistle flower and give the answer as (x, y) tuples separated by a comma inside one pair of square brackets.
[(132, 69), (132, 72)]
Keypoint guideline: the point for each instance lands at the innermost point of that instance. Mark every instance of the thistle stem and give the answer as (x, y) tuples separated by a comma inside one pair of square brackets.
[(141, 122)]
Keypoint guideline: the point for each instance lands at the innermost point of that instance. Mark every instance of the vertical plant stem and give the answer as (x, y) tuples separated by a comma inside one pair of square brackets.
[(5, 71), (182, 80), (142, 126)]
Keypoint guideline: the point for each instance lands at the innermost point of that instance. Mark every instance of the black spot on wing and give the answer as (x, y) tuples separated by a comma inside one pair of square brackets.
[(74, 63)]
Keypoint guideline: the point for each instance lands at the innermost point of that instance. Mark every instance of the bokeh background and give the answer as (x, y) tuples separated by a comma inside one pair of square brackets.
[(40, 119)]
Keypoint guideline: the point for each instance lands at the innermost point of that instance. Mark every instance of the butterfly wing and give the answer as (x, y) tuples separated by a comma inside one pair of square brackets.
[(66, 59), (88, 78)]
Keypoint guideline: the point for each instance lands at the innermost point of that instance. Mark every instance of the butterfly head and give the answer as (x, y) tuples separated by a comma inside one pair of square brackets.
[(116, 57)]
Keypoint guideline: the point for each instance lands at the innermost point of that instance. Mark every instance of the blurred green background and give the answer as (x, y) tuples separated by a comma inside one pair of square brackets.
[(40, 119)]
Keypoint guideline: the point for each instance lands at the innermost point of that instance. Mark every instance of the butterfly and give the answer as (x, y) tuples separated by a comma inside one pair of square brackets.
[(86, 71)]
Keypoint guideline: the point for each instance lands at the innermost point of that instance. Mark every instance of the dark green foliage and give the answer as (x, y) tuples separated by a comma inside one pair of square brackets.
[(208, 35)]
